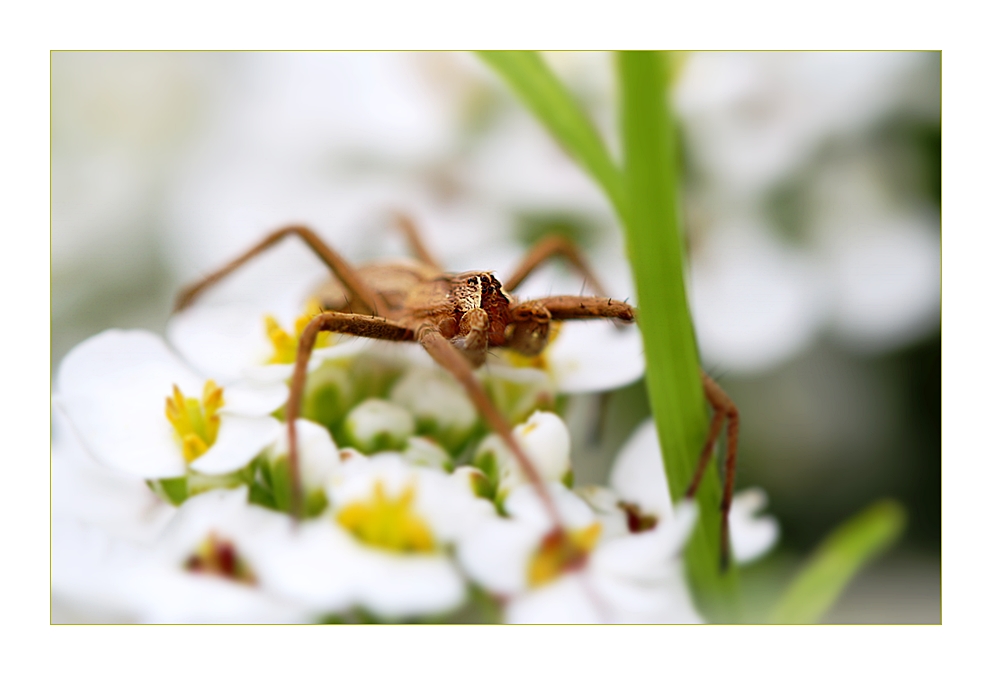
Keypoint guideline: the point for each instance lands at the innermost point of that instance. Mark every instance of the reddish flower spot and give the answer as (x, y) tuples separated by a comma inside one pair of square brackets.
[(637, 521)]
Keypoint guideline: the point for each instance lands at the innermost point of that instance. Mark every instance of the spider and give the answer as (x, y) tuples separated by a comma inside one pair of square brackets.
[(456, 318)]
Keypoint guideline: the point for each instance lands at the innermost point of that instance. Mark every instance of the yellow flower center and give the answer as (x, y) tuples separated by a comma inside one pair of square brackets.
[(388, 523), (562, 552), (219, 557), (196, 422), (537, 361), (284, 345)]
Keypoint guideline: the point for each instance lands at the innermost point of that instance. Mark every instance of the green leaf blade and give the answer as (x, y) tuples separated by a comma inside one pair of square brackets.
[(541, 91), (655, 249), (838, 558), (645, 197)]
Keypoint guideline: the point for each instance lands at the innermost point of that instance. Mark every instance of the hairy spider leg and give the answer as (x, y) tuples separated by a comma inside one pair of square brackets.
[(544, 249), (412, 233), (564, 307), (723, 409), (339, 267), (335, 322)]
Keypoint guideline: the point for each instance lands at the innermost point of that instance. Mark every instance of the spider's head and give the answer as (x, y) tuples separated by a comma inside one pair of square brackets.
[(483, 290), (496, 304)]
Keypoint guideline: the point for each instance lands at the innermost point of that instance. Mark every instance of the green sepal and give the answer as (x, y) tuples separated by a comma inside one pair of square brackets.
[(568, 480), (482, 486), (314, 503), (517, 401), (373, 376), (173, 490), (329, 395), (452, 439), (198, 483), (260, 489), (278, 475), (489, 466), (380, 442), (275, 486), (259, 495)]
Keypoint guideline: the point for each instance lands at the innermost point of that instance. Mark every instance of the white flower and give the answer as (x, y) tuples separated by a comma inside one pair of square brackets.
[(422, 451), (383, 545), (438, 403), (87, 492), (751, 536), (139, 409), (752, 118), (801, 130), (318, 453), (211, 564), (755, 300), (640, 499), (578, 577), (318, 458), (255, 339), (583, 356), (544, 439), (376, 424)]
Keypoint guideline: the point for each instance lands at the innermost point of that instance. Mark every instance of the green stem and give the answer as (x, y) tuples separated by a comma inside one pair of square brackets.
[(645, 197), (655, 249)]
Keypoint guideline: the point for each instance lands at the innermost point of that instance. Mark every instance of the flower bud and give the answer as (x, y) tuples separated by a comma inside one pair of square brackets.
[(439, 405), (545, 440), (376, 425)]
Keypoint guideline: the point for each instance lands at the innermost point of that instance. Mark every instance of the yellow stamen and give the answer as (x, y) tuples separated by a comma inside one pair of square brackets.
[(561, 552), (388, 523), (196, 424), (284, 345)]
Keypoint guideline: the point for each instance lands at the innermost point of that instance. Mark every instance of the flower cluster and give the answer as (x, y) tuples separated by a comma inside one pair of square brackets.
[(172, 485)]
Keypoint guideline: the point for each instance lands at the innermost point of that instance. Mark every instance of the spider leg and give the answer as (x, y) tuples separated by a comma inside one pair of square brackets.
[(564, 307), (543, 250), (474, 344), (339, 266), (412, 234), (449, 358), (335, 322), (723, 409)]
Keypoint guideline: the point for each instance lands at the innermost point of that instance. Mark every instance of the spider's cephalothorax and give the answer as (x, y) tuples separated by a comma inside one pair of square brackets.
[(481, 313)]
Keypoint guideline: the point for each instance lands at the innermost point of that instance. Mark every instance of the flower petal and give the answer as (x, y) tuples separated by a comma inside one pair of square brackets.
[(318, 452), (525, 505), (595, 356), (228, 341), (665, 600), (402, 586), (642, 556), (249, 398), (751, 536), (638, 475), (113, 388), (567, 600), (85, 491), (221, 339), (312, 564), (497, 553), (239, 441)]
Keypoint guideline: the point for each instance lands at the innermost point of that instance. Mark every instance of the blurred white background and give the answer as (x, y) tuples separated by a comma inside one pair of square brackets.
[(811, 201)]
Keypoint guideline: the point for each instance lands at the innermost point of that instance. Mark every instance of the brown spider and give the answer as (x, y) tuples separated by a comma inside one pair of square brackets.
[(456, 318)]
